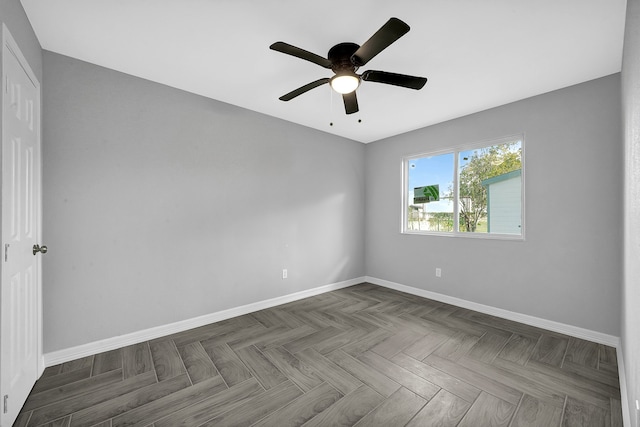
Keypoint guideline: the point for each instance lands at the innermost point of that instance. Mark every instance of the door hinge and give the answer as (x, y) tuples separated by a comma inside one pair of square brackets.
[(6, 251), (6, 403)]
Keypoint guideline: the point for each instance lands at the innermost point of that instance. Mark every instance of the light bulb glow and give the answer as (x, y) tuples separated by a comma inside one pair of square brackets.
[(345, 83)]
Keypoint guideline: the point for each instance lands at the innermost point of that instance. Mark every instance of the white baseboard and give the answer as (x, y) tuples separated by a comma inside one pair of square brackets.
[(73, 353), (550, 325), (66, 355)]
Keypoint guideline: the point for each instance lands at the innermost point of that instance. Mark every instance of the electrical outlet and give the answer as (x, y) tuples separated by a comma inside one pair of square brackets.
[(438, 272), (285, 273)]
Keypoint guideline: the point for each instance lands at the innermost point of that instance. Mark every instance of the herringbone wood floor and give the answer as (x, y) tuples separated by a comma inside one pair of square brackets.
[(364, 355)]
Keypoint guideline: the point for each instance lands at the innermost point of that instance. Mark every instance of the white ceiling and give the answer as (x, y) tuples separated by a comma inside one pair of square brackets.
[(477, 54)]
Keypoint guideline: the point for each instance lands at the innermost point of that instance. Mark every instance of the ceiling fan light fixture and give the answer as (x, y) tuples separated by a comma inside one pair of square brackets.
[(345, 83)]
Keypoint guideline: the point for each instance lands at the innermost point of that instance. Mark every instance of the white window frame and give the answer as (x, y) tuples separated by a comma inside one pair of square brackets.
[(456, 204)]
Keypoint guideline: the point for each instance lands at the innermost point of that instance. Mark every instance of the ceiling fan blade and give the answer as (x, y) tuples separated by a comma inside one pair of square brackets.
[(350, 102), (303, 89), (387, 34), (300, 53), (403, 80)]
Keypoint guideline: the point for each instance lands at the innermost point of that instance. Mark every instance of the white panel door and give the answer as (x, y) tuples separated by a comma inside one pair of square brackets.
[(20, 297)]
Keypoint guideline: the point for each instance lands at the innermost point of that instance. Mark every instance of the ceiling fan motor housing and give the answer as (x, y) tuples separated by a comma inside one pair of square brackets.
[(340, 57)]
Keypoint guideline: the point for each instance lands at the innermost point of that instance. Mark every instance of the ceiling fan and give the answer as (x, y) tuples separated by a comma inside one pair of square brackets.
[(344, 59)]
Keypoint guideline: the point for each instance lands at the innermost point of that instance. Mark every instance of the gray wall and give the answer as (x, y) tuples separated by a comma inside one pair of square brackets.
[(161, 206), (631, 119), (569, 267)]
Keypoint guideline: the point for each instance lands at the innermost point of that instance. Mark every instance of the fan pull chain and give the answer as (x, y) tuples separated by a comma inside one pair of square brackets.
[(330, 106)]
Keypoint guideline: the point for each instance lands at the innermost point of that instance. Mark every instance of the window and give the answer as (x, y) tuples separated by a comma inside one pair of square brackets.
[(474, 190)]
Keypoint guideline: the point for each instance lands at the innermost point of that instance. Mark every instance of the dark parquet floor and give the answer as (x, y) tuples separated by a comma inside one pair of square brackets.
[(363, 355)]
